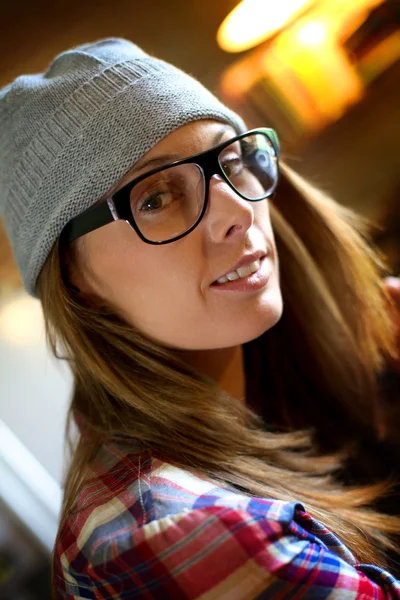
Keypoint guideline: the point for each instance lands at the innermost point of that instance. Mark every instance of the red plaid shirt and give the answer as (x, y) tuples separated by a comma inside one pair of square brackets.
[(144, 528)]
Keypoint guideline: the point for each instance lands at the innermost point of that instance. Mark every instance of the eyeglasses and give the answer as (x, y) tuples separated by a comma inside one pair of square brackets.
[(168, 202)]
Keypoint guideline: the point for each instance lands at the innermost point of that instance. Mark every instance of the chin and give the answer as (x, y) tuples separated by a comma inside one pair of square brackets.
[(263, 318), (243, 330), (253, 331)]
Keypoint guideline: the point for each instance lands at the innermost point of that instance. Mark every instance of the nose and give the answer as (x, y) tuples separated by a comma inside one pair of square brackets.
[(227, 215)]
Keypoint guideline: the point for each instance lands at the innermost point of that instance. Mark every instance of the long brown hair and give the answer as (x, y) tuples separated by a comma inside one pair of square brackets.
[(336, 315)]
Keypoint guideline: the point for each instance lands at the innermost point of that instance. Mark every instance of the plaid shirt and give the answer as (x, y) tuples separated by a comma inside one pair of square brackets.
[(143, 528)]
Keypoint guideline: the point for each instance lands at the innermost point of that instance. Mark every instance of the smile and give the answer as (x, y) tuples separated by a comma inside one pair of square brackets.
[(250, 278), (241, 272)]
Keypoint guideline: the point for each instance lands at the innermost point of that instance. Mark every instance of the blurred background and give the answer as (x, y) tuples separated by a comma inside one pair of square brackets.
[(324, 73)]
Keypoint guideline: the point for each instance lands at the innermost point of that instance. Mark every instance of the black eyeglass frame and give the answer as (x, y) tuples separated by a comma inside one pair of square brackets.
[(118, 206)]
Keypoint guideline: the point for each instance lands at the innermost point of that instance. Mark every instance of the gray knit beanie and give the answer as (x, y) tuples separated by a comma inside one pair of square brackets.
[(68, 135)]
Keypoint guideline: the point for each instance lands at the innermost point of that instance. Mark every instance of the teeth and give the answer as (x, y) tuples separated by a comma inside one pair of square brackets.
[(232, 276), (249, 269), (241, 272)]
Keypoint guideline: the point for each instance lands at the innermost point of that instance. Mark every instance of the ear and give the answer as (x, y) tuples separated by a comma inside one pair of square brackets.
[(72, 265)]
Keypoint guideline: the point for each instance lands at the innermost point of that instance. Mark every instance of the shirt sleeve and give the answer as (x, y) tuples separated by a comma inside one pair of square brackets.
[(218, 553)]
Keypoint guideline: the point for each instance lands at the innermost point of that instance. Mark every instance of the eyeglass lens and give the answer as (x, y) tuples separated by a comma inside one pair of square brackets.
[(168, 203)]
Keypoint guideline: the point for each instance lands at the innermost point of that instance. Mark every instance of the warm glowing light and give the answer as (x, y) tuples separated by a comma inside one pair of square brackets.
[(21, 321), (316, 78), (253, 21), (312, 33)]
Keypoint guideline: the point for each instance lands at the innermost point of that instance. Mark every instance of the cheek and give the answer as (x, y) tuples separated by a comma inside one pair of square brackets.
[(262, 221), (152, 287), (262, 216), (164, 306)]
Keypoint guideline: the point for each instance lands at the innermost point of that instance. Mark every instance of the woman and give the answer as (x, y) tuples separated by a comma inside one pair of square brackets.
[(198, 308)]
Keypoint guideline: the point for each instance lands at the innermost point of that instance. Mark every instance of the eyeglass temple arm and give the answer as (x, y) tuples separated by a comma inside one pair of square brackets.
[(94, 217)]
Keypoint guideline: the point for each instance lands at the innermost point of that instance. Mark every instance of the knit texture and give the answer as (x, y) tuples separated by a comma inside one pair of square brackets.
[(69, 134)]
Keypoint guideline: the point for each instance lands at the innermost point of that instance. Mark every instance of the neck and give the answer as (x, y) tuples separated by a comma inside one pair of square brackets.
[(223, 365)]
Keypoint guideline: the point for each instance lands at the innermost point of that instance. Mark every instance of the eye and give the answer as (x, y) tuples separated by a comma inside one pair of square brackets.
[(232, 164), (156, 201)]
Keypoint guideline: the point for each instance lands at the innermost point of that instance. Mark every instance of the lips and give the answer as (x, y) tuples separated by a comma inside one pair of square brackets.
[(246, 259)]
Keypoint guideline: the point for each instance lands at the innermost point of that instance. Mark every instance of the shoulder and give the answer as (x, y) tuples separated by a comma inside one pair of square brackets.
[(145, 488), (146, 528), (137, 490)]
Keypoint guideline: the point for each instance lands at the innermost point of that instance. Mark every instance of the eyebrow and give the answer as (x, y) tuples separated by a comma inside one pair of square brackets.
[(166, 158)]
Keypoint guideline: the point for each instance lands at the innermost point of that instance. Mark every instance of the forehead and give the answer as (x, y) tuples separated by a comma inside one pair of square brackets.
[(187, 140)]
